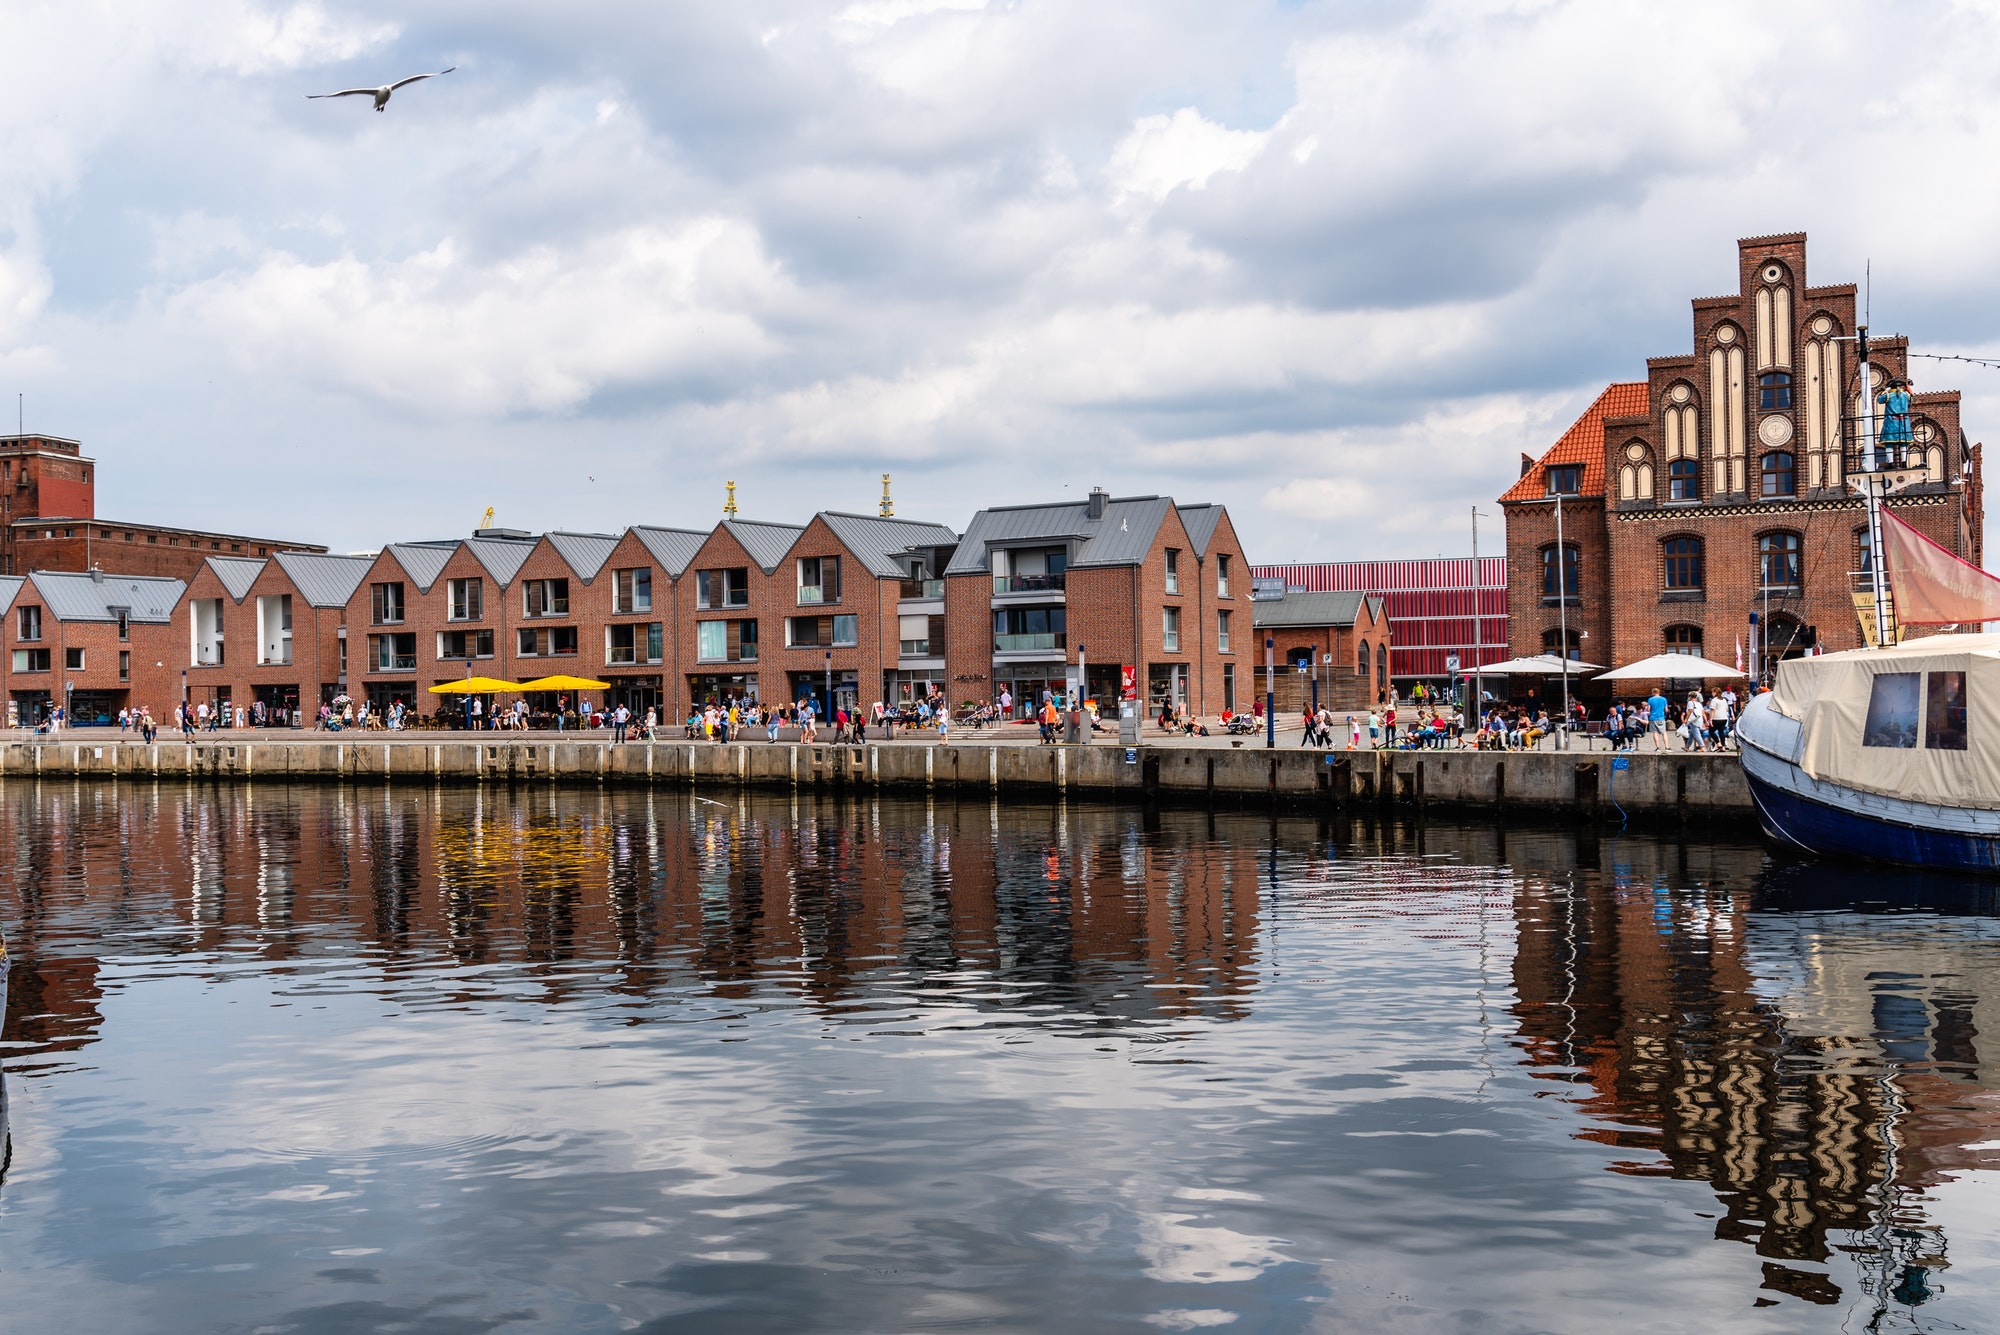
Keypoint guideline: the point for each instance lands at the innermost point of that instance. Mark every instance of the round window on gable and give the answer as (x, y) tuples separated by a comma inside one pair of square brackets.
[(1773, 272)]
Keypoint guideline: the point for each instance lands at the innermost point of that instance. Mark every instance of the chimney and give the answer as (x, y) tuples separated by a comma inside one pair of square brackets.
[(1097, 499), (97, 574)]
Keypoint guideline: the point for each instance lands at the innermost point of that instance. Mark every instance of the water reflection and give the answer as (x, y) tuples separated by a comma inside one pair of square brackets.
[(761, 1064)]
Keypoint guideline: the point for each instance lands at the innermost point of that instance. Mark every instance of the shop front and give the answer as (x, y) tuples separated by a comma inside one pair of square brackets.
[(637, 694), (25, 709), (1030, 684), (382, 694), (813, 686), (275, 706), (908, 687), (94, 709), (1166, 684), (721, 688)]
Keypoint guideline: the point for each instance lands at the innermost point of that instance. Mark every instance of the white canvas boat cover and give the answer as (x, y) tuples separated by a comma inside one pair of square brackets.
[(1932, 587), (1919, 721)]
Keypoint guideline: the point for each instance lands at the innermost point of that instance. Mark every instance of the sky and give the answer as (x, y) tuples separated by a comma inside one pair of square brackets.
[(1335, 265)]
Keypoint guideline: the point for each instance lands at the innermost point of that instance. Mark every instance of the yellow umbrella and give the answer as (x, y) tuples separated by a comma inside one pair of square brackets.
[(473, 686), (562, 683)]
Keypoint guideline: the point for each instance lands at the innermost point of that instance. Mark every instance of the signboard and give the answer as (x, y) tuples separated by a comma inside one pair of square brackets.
[(1128, 682), (1131, 755), (1266, 589), (1621, 762), (1305, 666), (1451, 664)]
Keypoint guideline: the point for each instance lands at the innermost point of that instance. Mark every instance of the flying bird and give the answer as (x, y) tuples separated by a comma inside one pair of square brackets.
[(381, 95)]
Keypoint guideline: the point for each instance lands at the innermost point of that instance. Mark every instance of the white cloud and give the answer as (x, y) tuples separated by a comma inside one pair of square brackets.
[(1163, 153)]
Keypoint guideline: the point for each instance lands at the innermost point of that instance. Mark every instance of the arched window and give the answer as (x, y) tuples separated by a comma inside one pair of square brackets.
[(1683, 480), (1684, 561), (1684, 640), (1552, 643), (1361, 661), (1381, 667), (1774, 390), (1783, 638), (1778, 561), (1780, 475), (1560, 576), (1635, 474)]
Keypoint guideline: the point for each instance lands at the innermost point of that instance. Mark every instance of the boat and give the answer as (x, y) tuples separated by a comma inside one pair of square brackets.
[(1889, 752)]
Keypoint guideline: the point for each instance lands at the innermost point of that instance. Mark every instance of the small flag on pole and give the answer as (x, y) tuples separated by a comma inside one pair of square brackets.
[(1739, 653)]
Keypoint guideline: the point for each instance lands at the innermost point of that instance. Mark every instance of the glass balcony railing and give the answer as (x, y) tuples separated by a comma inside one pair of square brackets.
[(1030, 583), (396, 663), (1017, 643), (810, 594), (914, 648), (921, 588)]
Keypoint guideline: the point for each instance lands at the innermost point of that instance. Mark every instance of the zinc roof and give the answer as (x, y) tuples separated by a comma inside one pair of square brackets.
[(1200, 521), (876, 540), (1123, 537), (586, 553), (237, 573), (1342, 608), (1582, 444), (766, 543), (422, 561), (9, 586), (324, 581), (673, 548), (502, 557), (75, 596)]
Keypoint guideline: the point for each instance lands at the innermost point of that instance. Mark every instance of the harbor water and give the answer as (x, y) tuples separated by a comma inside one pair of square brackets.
[(372, 1059)]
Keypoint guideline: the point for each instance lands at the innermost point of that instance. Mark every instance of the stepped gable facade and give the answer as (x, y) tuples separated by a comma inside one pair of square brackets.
[(1716, 489)]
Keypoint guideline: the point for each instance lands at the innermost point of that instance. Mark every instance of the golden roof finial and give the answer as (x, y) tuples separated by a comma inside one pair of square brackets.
[(888, 506), (729, 505)]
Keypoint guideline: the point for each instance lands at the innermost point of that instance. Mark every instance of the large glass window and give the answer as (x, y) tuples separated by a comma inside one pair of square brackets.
[(465, 644), (1022, 628), (467, 599), (711, 641), (722, 588), (1561, 570), (819, 580), (1780, 474), (632, 590), (29, 620), (545, 598), (1774, 390), (386, 603), (1778, 561), (1683, 480), (1684, 563)]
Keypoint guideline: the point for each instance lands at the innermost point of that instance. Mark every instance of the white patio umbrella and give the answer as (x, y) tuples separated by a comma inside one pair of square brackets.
[(1535, 665), (1679, 666)]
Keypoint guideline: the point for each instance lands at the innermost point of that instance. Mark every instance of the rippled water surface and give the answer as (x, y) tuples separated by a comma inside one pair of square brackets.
[(335, 1061)]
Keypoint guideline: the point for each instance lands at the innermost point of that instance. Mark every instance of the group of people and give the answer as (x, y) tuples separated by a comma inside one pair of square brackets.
[(1701, 724)]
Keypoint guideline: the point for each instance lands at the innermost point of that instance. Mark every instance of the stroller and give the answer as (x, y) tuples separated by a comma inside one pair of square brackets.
[(1241, 725)]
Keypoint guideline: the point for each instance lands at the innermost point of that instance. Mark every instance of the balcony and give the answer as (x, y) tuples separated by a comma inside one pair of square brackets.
[(1005, 584), (811, 595), (1042, 643), (921, 588), (396, 663), (283, 658)]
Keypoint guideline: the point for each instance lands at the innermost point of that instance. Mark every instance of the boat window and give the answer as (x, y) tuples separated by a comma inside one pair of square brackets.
[(1944, 715), (1892, 711)]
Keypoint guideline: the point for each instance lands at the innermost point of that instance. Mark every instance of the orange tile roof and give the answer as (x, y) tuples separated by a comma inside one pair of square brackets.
[(1582, 444)]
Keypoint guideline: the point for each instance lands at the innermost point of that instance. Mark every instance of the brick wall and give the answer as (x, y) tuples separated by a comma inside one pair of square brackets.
[(154, 668), (1531, 526)]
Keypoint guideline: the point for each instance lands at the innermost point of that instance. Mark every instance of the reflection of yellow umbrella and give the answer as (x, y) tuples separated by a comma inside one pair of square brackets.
[(562, 683), (474, 686)]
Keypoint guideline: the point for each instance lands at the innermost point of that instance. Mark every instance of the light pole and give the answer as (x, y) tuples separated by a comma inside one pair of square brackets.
[(1270, 694), (829, 683), (1478, 711), (1562, 620)]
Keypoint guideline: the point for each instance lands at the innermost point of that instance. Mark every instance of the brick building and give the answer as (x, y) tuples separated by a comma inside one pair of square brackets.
[(1715, 489), (48, 521), (1133, 581), (1440, 609), (269, 632), (94, 642), (1343, 639)]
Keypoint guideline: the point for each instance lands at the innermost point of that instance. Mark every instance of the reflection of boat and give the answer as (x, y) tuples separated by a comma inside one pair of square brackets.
[(1891, 754)]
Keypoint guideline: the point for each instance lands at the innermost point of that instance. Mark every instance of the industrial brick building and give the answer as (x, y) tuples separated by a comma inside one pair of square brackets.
[(1439, 610), (1705, 509)]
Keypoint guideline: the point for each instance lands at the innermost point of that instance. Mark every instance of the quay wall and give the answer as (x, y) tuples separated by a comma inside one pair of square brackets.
[(1575, 784)]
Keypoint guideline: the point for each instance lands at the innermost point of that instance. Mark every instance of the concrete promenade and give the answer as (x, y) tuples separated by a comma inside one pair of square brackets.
[(1576, 784)]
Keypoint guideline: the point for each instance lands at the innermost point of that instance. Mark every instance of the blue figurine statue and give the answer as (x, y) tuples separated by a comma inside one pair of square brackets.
[(1895, 401)]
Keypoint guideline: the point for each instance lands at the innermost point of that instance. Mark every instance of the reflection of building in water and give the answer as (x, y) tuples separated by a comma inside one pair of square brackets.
[(1079, 911), (1798, 1112)]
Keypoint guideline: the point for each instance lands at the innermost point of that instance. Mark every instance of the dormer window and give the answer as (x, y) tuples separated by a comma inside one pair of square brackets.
[(1565, 479)]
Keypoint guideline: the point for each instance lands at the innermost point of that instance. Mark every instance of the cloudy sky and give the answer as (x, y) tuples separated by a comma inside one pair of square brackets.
[(1334, 264)]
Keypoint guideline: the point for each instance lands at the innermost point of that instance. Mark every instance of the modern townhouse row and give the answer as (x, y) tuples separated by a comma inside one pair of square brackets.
[(1135, 593)]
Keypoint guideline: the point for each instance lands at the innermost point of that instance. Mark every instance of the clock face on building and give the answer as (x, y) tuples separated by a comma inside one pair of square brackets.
[(1775, 430)]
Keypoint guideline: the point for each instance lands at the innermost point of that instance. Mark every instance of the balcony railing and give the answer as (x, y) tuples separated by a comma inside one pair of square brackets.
[(810, 594), (283, 658), (914, 648), (920, 588), (624, 655), (1030, 583), (1017, 643), (396, 663)]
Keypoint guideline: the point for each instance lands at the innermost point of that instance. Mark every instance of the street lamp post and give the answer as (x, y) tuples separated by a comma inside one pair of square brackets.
[(829, 683), (1270, 693)]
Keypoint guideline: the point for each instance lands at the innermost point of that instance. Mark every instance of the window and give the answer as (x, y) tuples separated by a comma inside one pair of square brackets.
[(387, 603), (736, 641), (1684, 640), (1565, 479), (819, 580), (1222, 574), (633, 643), (1361, 660), (392, 653), (1683, 480), (1222, 632), (1684, 563), (553, 641), (124, 665), (1944, 715), (1173, 570), (1778, 561), (1560, 582), (1892, 711), (545, 598), (711, 641), (30, 623), (846, 631), (467, 599), (125, 625), (722, 588), (1381, 667), (1774, 390), (73, 660), (31, 660), (1780, 479), (1030, 628), (465, 644), (1553, 641), (1229, 687), (632, 590), (1864, 559), (1170, 629)]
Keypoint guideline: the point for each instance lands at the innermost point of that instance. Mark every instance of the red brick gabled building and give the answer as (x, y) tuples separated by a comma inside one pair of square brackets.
[(95, 643), (268, 632), (1715, 489)]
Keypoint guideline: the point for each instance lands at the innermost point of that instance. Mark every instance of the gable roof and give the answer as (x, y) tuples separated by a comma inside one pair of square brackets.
[(1342, 608), (1122, 538), (1200, 522), (422, 561), (9, 586), (765, 543), (237, 573), (324, 581), (877, 541), (1582, 444), (502, 557), (585, 553), (75, 596), (673, 548)]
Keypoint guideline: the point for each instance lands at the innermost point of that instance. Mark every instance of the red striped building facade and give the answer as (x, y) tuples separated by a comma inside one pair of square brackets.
[(1436, 607)]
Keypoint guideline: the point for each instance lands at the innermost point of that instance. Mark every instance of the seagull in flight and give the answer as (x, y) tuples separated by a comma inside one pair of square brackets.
[(381, 95)]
